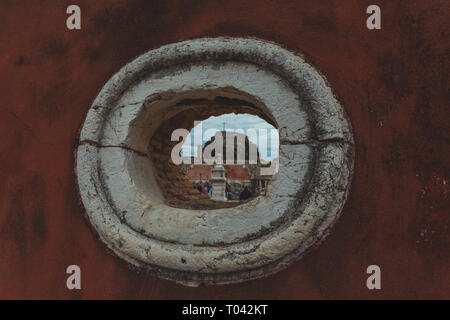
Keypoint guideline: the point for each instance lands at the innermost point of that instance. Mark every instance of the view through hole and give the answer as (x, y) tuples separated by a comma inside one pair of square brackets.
[(215, 160), (223, 156)]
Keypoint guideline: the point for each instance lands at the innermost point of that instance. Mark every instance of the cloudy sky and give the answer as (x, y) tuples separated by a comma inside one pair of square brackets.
[(260, 132)]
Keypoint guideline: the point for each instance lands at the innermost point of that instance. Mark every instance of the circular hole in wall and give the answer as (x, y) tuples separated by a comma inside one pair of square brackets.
[(124, 167), (194, 179)]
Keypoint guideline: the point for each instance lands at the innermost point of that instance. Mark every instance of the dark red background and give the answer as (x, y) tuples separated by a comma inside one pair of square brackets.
[(393, 83)]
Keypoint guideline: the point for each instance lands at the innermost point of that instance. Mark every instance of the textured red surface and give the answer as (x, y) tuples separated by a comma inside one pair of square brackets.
[(393, 83)]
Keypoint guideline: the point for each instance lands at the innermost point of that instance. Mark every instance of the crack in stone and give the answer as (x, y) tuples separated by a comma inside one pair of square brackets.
[(98, 145)]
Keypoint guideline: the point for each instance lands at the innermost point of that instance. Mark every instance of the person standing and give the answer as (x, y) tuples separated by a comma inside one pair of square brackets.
[(210, 188), (245, 194)]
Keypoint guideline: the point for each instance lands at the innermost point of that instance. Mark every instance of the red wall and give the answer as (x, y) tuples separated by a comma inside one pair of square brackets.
[(393, 83)]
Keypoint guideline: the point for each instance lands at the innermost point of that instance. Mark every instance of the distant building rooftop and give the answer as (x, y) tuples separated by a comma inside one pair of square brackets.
[(203, 171)]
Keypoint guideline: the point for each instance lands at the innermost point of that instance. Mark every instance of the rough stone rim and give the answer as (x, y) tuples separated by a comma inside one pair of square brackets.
[(261, 215), (140, 251)]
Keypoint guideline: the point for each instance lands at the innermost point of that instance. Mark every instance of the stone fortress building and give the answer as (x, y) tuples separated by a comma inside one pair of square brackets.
[(238, 175)]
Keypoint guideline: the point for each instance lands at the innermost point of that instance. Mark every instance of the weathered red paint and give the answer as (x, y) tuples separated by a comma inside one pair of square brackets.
[(393, 83)]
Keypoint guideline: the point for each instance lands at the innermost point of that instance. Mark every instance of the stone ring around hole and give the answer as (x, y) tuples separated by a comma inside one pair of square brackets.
[(124, 203)]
